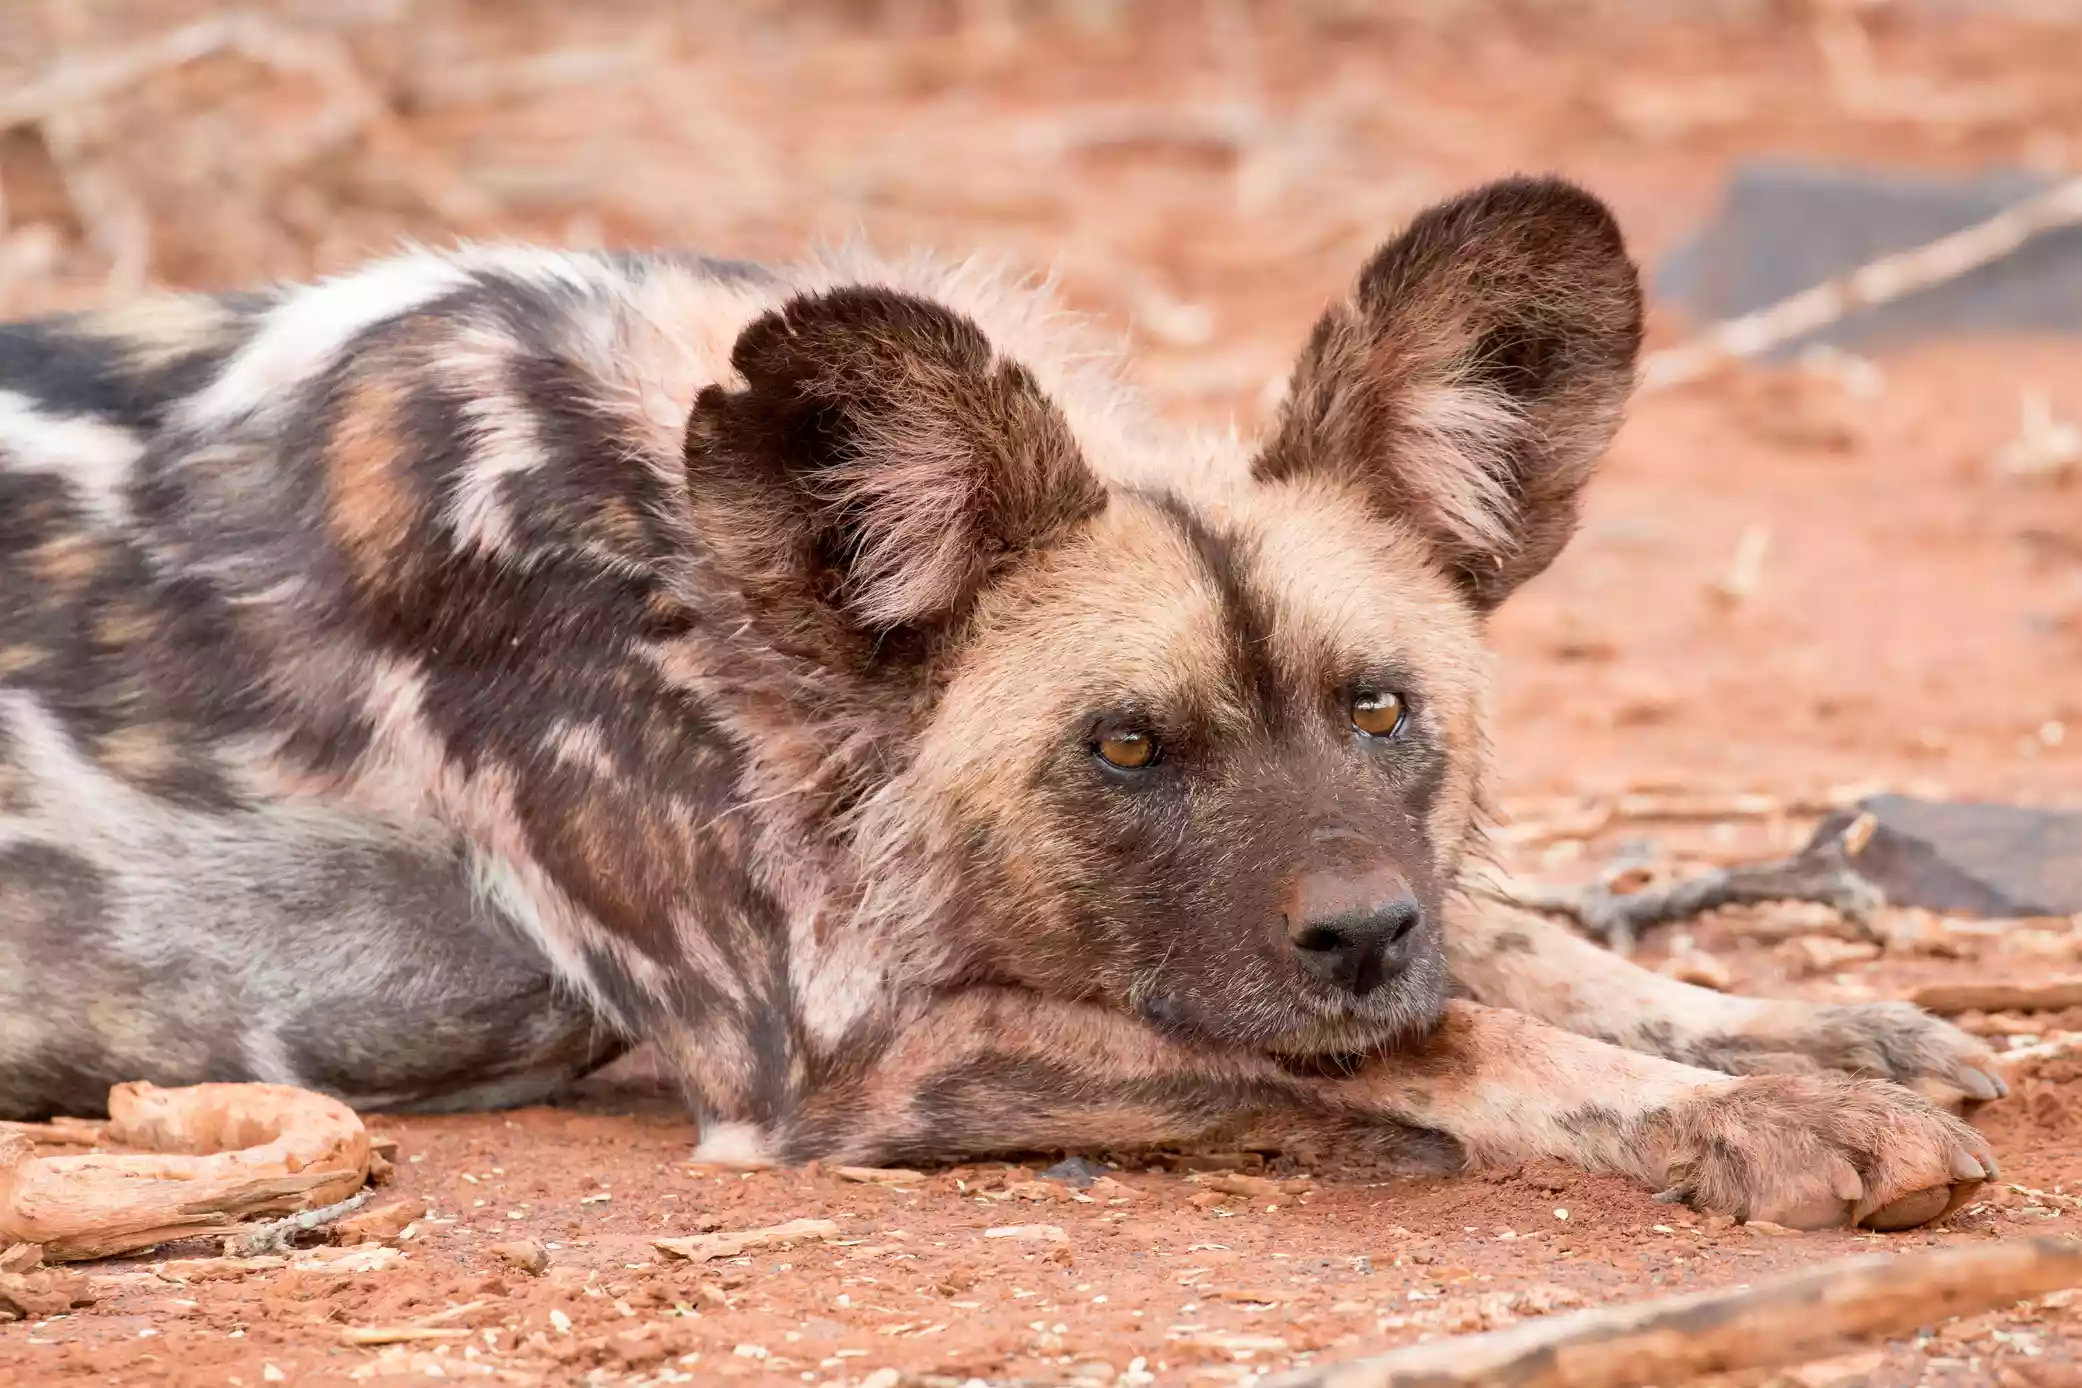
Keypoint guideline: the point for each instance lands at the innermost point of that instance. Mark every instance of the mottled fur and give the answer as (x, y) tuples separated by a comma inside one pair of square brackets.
[(423, 683)]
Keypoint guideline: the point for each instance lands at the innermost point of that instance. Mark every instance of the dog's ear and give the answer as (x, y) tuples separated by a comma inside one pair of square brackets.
[(879, 458), (1472, 381)]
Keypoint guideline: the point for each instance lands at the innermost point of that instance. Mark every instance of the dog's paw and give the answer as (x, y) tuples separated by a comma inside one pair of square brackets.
[(1880, 1040), (1818, 1152)]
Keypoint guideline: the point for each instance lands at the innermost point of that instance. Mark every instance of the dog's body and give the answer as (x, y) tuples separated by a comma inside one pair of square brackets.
[(421, 684)]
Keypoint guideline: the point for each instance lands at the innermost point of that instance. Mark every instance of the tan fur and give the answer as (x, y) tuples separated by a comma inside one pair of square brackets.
[(372, 505), (161, 330)]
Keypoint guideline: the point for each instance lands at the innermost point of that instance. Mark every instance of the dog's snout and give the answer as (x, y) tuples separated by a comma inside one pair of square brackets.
[(1352, 931)]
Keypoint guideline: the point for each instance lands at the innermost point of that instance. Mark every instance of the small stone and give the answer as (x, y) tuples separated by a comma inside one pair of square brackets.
[(44, 1292), (526, 1254), (1029, 1233), (1698, 967), (1808, 955), (1840, 1372), (1075, 1172), (381, 1224)]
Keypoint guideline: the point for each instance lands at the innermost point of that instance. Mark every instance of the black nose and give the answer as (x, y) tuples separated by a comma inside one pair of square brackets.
[(1357, 950)]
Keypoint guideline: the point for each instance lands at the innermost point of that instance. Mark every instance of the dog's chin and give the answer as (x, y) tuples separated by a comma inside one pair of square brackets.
[(1301, 1022)]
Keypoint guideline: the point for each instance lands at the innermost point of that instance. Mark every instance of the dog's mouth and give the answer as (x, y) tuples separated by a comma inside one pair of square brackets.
[(1297, 1019)]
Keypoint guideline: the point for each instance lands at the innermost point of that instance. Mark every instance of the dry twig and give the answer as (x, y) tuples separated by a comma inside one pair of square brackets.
[(1789, 1319), (1880, 281), (276, 1236), (1820, 872), (58, 104)]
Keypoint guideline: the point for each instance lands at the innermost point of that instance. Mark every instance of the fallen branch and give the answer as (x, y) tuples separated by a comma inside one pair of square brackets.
[(1820, 872), (1789, 1319), (1950, 999), (1876, 282), (216, 1154)]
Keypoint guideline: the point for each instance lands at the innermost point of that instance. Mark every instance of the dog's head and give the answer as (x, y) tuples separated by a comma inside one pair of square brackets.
[(1209, 749)]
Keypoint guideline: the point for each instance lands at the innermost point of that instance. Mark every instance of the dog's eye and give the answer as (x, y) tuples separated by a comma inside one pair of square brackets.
[(1378, 714), (1127, 751)]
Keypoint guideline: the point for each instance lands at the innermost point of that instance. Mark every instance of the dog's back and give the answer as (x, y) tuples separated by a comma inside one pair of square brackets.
[(159, 915)]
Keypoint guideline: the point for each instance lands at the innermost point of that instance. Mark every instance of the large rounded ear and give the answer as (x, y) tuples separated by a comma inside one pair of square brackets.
[(1472, 381), (880, 459)]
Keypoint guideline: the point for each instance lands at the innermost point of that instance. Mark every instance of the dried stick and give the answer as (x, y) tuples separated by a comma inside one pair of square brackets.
[(1788, 1319), (1880, 281), (1820, 872), (94, 79), (1583, 817), (217, 1152), (2045, 995), (275, 1237)]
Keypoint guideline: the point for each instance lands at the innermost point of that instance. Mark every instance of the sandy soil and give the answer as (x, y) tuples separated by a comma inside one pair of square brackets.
[(1916, 621)]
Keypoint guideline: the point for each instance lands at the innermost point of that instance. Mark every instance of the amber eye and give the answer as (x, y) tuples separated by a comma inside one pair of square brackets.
[(1128, 751), (1376, 714)]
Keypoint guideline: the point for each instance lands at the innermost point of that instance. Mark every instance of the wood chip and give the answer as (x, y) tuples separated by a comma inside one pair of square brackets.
[(1250, 1187), (702, 1248), (368, 1257), (879, 1175), (398, 1334)]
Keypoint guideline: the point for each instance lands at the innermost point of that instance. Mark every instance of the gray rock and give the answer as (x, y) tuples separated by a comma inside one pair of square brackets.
[(1075, 1172), (1782, 228), (1970, 859)]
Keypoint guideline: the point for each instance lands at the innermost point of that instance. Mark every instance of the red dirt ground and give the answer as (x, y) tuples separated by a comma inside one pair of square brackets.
[(1916, 622)]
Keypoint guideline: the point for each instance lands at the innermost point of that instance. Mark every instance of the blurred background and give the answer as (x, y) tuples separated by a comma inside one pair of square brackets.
[(1841, 567)]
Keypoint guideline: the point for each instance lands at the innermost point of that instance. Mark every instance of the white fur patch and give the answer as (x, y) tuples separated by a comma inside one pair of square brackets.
[(1458, 450), (734, 1144), (307, 333), (95, 457), (503, 436)]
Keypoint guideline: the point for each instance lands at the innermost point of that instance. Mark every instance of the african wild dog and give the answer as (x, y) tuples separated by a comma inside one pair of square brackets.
[(421, 683)]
